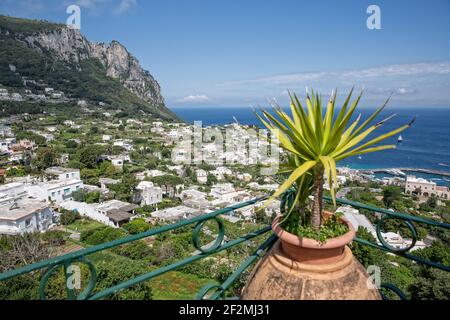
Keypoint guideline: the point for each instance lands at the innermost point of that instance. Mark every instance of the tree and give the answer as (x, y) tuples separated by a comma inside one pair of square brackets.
[(110, 273), (93, 197), (135, 250), (166, 153), (125, 190), (211, 180), (363, 253), (432, 202), (101, 235), (69, 217), (71, 144), (79, 195), (90, 156), (169, 182), (93, 130), (391, 194), (431, 284), (117, 150), (45, 158), (437, 252), (54, 238), (22, 250), (136, 226), (261, 217), (206, 167)]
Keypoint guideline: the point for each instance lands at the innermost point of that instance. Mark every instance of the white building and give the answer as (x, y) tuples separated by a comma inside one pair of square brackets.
[(174, 214), (55, 191), (151, 195), (158, 130), (118, 162), (425, 188), (113, 213), (149, 174), (357, 219), (13, 190), (16, 97), (178, 169), (106, 137), (24, 216), (224, 171), (5, 131), (393, 239), (192, 194), (244, 177), (263, 187), (202, 176), (126, 144), (105, 182), (6, 144), (4, 92), (57, 95), (195, 199), (61, 174), (225, 194), (15, 156)]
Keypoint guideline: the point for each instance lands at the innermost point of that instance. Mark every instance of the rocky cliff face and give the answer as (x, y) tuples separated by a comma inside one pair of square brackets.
[(71, 46)]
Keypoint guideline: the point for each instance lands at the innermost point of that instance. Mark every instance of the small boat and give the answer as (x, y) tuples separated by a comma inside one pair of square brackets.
[(359, 157), (400, 139)]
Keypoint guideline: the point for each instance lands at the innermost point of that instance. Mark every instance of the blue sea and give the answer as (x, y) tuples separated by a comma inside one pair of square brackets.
[(425, 145)]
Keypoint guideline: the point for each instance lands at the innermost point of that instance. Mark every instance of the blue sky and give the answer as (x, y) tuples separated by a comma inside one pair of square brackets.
[(242, 52)]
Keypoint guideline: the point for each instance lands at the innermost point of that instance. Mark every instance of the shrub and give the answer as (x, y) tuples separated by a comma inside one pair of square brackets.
[(69, 217), (136, 250), (101, 235), (137, 226), (54, 238), (93, 197)]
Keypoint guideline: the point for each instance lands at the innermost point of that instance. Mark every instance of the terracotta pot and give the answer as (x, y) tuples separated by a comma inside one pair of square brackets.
[(304, 269), (311, 251)]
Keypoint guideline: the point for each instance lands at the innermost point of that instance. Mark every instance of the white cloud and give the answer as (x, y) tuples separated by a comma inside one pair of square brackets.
[(411, 84), (90, 4), (125, 5), (399, 91), (398, 70), (115, 6), (195, 98)]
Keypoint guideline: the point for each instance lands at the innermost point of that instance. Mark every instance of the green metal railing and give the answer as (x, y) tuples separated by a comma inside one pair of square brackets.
[(213, 291), (408, 220)]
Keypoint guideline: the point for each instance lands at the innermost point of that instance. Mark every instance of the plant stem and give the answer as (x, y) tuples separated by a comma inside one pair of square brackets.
[(316, 219)]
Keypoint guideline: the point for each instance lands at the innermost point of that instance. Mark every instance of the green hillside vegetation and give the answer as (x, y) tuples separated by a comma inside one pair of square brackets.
[(19, 25), (86, 80), (91, 83)]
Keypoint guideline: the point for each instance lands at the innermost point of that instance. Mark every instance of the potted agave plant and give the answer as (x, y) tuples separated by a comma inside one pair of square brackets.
[(311, 260)]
